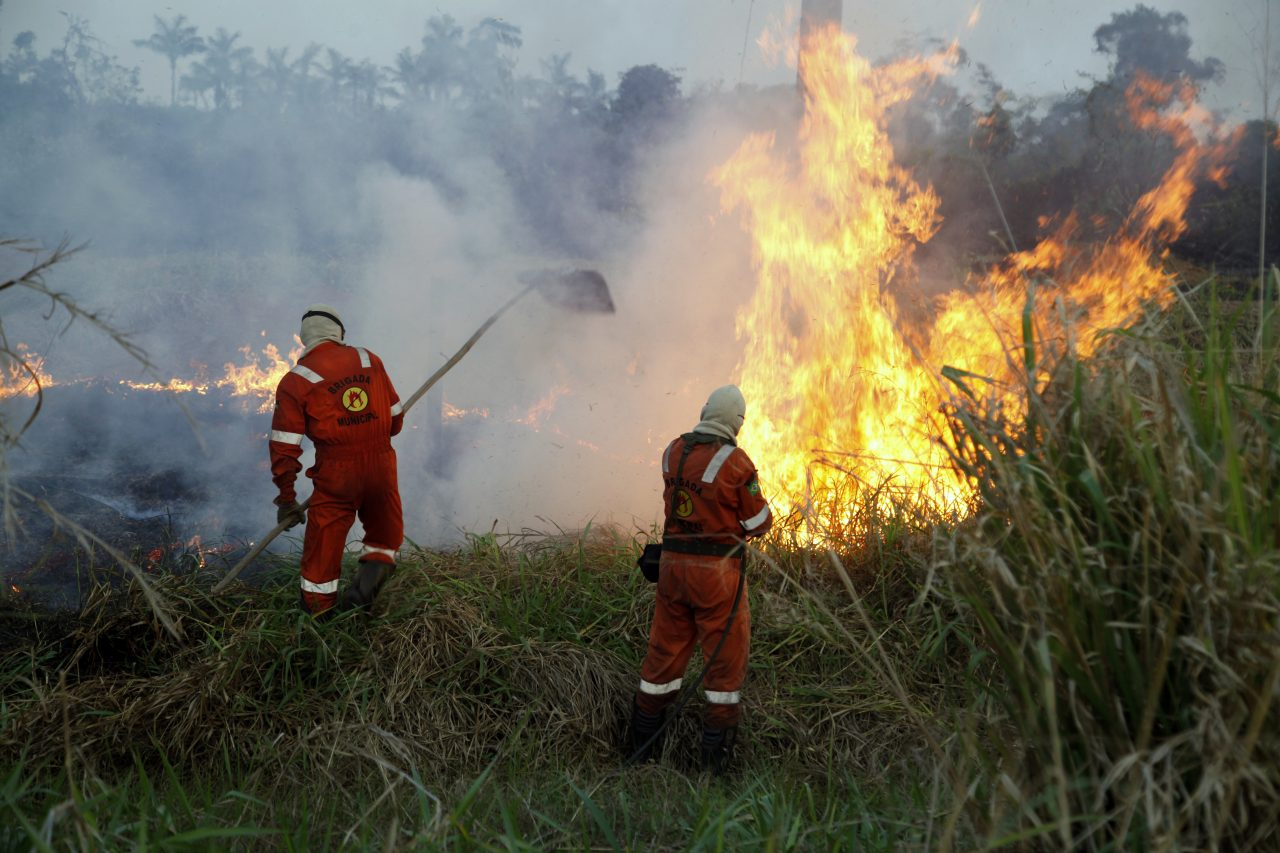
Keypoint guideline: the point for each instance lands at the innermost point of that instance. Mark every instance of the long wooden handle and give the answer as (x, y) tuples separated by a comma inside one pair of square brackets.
[(407, 405)]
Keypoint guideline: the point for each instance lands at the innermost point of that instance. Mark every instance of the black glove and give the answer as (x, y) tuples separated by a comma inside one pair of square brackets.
[(291, 513), (648, 561)]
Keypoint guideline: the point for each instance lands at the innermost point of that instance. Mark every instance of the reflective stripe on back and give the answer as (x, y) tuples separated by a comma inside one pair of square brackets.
[(364, 356), (666, 459), (713, 467), (286, 437), (756, 520), (308, 374)]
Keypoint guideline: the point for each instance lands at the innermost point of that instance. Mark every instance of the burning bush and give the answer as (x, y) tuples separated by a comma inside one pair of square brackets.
[(1123, 575)]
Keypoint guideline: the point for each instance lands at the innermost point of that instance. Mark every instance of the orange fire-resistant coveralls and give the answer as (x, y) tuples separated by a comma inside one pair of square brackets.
[(713, 504), (341, 398)]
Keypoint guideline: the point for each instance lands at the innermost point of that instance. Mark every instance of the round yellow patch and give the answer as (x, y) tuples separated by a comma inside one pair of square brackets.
[(355, 399), (684, 503)]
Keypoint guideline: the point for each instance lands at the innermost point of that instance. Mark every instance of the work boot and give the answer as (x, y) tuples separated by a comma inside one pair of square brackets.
[(364, 589), (644, 741), (716, 751), (320, 615)]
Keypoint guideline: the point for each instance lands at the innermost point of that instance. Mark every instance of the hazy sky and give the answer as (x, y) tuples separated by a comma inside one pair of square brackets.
[(1035, 47)]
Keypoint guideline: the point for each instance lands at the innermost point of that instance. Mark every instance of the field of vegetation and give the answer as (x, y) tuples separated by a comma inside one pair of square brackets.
[(1088, 658)]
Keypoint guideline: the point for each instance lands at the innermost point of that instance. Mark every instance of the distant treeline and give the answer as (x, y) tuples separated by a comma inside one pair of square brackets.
[(265, 149)]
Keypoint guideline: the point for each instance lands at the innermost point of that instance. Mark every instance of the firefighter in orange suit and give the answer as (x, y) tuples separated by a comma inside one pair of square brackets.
[(341, 398), (713, 505)]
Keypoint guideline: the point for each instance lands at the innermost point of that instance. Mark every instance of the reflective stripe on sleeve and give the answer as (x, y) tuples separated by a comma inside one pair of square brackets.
[(396, 409), (756, 520), (286, 437), (666, 460), (364, 356), (713, 467), (324, 588), (717, 698), (308, 374), (659, 689), (369, 549)]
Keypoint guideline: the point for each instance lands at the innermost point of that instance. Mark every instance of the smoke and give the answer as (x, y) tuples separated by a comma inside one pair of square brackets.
[(211, 229), (616, 387), (212, 232)]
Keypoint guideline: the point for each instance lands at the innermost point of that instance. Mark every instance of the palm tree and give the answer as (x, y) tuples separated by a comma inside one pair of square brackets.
[(174, 39), (337, 71), (224, 66)]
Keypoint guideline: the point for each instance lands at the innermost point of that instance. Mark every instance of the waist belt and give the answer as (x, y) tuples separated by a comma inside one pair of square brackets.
[(706, 549)]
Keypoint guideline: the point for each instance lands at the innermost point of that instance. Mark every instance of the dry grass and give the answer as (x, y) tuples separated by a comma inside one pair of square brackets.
[(517, 659)]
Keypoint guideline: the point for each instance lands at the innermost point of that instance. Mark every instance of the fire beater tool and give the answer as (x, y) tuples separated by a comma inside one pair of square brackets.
[(580, 290)]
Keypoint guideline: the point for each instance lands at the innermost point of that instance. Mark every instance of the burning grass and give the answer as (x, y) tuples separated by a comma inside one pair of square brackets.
[(1124, 576), (1087, 660)]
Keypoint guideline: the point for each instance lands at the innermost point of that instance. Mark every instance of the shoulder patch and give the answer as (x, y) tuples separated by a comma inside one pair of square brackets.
[(753, 488)]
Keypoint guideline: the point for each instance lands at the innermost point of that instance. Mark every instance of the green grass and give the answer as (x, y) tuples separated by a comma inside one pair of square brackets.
[(1089, 660), (482, 708)]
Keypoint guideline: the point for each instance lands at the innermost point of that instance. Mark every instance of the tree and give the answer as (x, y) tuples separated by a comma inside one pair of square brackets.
[(440, 62), (174, 40), (337, 70), (1143, 40), (88, 72), (645, 91), (490, 63), (224, 67)]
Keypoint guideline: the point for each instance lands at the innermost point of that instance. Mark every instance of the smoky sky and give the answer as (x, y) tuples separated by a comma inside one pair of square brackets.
[(1036, 48)]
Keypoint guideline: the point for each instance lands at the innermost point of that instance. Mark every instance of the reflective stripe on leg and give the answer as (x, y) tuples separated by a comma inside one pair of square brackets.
[(718, 697), (660, 689), (382, 555)]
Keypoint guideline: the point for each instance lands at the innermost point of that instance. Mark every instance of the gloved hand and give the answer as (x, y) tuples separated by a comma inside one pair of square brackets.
[(292, 513)]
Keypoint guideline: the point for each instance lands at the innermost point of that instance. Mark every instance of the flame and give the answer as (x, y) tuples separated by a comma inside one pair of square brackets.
[(539, 411), (19, 381), (260, 374), (256, 378), (193, 550), (829, 370), (836, 385), (450, 412)]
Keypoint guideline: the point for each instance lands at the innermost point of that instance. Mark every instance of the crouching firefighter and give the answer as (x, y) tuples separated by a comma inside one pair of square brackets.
[(713, 505), (339, 397)]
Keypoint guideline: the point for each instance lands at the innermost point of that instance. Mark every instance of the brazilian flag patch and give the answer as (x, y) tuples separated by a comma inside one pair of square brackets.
[(753, 487)]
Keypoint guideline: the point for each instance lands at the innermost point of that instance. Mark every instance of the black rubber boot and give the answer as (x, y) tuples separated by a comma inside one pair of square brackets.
[(644, 740), (322, 616), (716, 751), (364, 589)]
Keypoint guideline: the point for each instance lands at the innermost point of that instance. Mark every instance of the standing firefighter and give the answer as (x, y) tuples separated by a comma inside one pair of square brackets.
[(340, 397), (713, 504)]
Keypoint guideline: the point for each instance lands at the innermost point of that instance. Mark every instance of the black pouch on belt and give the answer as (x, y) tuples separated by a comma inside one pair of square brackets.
[(648, 561)]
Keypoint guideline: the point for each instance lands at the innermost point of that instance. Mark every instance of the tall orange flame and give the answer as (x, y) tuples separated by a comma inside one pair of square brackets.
[(835, 386)]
